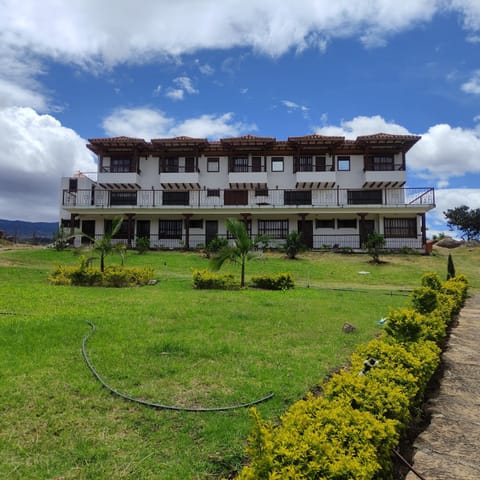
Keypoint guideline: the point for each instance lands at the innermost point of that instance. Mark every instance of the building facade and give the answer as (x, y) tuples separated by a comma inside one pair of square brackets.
[(178, 192)]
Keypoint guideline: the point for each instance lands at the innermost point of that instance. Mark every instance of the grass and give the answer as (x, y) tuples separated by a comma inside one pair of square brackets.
[(174, 345)]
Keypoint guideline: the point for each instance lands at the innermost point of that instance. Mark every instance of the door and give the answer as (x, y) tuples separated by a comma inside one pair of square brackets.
[(235, 197), (306, 229), (88, 228), (143, 228), (211, 230), (366, 228)]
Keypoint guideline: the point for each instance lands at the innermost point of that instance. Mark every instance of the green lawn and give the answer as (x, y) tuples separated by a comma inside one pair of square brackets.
[(174, 345)]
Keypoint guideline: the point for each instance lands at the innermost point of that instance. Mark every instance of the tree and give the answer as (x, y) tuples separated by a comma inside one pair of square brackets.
[(465, 220), (104, 245), (375, 242), (239, 252), (450, 267), (294, 245)]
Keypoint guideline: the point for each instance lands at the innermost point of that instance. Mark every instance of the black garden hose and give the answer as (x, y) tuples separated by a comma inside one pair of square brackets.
[(159, 405)]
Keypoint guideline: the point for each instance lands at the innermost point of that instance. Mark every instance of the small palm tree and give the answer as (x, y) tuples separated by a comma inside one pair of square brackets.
[(104, 245), (239, 252), (294, 245)]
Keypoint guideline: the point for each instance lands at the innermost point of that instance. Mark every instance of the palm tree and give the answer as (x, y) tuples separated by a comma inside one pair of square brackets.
[(104, 245), (294, 245), (239, 252)]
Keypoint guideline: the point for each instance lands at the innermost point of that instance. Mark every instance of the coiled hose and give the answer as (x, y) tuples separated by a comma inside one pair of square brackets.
[(158, 405)]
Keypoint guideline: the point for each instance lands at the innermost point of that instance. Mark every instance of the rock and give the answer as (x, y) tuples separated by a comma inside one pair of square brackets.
[(348, 328), (449, 242)]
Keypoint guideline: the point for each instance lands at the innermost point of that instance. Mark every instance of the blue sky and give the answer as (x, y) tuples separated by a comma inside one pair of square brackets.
[(84, 69)]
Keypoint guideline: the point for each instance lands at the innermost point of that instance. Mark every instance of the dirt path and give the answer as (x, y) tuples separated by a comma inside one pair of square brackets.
[(450, 447)]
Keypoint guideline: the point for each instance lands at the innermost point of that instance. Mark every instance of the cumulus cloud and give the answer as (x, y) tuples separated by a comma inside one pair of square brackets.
[(88, 32), (148, 123), (361, 125), (175, 94), (443, 153), (37, 151), (473, 85), (183, 85), (450, 198)]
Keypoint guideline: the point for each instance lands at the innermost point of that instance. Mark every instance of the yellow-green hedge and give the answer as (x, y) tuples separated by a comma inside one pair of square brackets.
[(351, 431)]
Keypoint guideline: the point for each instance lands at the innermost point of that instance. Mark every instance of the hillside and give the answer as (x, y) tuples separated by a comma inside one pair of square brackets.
[(27, 231)]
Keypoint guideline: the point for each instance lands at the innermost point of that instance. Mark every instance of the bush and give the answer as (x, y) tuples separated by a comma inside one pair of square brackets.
[(280, 281), (216, 245), (142, 245), (320, 439), (351, 431), (207, 280), (91, 276), (431, 280), (424, 299)]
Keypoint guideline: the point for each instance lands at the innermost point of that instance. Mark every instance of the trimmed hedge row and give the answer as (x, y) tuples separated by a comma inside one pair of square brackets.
[(280, 281), (113, 276), (207, 280), (351, 431)]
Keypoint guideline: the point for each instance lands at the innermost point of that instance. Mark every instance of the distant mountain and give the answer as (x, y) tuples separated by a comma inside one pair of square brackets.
[(28, 231)]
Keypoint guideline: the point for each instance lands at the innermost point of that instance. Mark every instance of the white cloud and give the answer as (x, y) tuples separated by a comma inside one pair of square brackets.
[(89, 33), (473, 85), (205, 69), (292, 106), (37, 151), (157, 90), (445, 152), (361, 125), (147, 123), (175, 94), (451, 198), (183, 85)]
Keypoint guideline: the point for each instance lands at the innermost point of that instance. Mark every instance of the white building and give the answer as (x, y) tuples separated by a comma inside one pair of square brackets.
[(179, 191)]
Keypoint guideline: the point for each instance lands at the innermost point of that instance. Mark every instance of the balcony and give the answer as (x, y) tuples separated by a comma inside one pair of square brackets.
[(384, 172), (179, 178), (247, 179), (420, 198), (315, 179), (117, 179)]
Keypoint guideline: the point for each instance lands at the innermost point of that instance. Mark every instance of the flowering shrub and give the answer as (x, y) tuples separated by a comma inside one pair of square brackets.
[(207, 280), (280, 281)]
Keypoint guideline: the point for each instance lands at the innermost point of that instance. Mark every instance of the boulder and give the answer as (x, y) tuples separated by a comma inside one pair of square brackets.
[(449, 242)]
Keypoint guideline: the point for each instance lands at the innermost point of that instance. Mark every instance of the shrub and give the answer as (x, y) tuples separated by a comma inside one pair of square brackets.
[(375, 242), (424, 299), (142, 245), (431, 280), (280, 281), (294, 245), (207, 280), (320, 439), (216, 245), (90, 276)]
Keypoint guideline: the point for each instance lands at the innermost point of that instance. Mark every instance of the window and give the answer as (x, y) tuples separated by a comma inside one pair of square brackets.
[(72, 184), (170, 229), (400, 227), (195, 223), (213, 192), (261, 192), (277, 164), (213, 165), (320, 164), (256, 164), (347, 223), (297, 197), (126, 197), (239, 164), (235, 197), (321, 223), (364, 197), (189, 164), (67, 223), (379, 163), (273, 228), (343, 164), (120, 165), (169, 165), (176, 198), (303, 163)]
